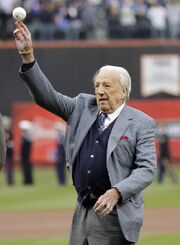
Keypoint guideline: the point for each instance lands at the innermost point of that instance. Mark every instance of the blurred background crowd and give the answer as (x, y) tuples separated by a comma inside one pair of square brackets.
[(94, 19)]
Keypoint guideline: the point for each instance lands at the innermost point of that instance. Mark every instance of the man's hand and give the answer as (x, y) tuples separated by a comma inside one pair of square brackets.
[(22, 37), (106, 202), (23, 42)]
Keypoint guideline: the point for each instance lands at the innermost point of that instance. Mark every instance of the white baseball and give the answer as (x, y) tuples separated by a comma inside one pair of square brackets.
[(19, 14)]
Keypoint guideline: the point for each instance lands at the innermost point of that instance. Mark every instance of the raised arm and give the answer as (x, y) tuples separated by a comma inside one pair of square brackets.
[(40, 88)]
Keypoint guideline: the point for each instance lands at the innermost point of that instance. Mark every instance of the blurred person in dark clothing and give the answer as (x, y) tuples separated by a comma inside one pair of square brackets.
[(2, 145), (165, 164), (60, 163), (142, 29), (113, 19), (25, 152), (45, 18), (9, 166), (6, 8)]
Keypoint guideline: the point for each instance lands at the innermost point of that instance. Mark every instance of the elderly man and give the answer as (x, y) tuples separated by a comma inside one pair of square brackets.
[(2, 145), (110, 150)]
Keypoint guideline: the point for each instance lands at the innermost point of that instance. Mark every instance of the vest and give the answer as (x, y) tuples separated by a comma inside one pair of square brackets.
[(90, 173)]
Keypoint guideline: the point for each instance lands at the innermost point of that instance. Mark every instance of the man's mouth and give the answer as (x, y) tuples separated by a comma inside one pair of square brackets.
[(102, 100)]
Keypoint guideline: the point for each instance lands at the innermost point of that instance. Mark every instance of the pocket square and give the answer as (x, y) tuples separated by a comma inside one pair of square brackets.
[(124, 137)]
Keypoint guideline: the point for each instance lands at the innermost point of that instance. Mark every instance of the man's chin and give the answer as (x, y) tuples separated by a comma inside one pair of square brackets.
[(104, 109)]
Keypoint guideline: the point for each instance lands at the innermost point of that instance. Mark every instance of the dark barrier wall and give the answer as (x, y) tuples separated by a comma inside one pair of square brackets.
[(71, 66)]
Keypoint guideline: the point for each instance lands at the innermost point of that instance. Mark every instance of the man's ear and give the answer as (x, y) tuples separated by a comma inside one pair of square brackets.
[(125, 91)]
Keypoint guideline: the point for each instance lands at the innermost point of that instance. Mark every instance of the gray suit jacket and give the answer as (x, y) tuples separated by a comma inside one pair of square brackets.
[(131, 156), (2, 145)]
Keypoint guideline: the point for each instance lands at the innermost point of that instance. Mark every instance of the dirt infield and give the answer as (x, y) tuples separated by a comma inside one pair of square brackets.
[(55, 224)]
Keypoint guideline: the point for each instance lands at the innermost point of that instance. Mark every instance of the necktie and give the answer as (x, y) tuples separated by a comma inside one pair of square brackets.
[(101, 121)]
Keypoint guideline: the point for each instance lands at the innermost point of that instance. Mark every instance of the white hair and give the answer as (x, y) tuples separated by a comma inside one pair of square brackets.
[(124, 77)]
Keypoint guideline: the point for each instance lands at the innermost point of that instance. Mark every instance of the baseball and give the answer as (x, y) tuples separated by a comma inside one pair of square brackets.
[(19, 14)]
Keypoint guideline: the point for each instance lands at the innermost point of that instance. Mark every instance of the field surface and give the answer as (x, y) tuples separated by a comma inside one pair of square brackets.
[(42, 213)]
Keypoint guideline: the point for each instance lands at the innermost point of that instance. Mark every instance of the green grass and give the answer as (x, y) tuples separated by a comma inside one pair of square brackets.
[(159, 239), (40, 241), (46, 194)]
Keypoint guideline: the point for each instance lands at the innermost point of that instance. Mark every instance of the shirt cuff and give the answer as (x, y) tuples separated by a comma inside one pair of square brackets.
[(26, 67)]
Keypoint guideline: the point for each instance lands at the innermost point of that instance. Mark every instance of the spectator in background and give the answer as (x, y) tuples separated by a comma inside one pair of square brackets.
[(87, 20), (113, 15), (74, 15), (127, 19), (25, 152), (173, 18), (2, 145), (9, 165), (157, 15), (165, 164), (45, 18), (60, 162), (6, 23), (61, 21), (142, 29), (99, 19)]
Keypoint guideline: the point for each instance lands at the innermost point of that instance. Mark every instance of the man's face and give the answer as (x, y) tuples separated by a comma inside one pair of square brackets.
[(109, 94)]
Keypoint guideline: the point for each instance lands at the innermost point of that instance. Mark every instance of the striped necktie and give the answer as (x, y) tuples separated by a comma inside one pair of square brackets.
[(101, 121)]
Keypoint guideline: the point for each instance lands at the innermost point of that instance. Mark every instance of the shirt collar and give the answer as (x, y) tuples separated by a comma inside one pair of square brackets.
[(115, 114), (112, 116)]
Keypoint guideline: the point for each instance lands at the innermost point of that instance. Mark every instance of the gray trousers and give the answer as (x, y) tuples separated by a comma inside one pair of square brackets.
[(90, 228)]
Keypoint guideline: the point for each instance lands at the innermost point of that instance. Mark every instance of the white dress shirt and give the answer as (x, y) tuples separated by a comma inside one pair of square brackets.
[(112, 116)]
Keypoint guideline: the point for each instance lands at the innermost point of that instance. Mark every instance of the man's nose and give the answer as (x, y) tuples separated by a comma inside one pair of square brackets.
[(100, 90)]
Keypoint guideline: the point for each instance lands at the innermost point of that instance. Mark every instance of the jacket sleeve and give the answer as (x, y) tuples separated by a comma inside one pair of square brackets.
[(45, 95), (2, 145)]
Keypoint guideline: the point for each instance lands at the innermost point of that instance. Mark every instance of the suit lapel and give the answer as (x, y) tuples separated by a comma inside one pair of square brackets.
[(118, 129), (85, 123)]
